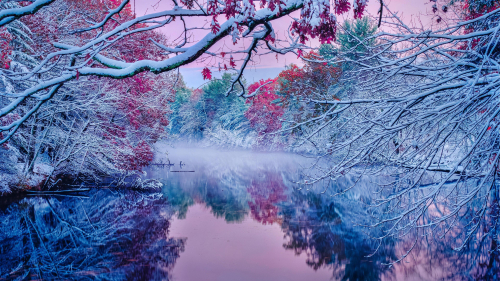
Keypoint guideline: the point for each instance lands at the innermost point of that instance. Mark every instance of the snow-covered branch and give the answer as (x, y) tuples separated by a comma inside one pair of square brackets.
[(9, 15), (422, 109)]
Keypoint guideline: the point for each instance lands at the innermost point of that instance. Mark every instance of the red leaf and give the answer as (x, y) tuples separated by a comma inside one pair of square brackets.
[(207, 74), (231, 62), (360, 9), (299, 53), (215, 25), (270, 38), (342, 6)]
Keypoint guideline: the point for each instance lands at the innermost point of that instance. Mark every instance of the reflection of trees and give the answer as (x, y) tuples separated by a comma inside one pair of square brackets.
[(105, 237), (223, 202), (178, 198), (476, 262), (226, 195), (322, 227), (313, 226), (266, 192), (225, 206), (479, 260)]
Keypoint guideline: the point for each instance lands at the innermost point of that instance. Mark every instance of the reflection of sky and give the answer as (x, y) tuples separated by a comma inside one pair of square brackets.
[(218, 250), (265, 66), (245, 220)]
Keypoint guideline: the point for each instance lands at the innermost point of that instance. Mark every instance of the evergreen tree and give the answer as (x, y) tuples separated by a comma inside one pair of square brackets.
[(353, 38)]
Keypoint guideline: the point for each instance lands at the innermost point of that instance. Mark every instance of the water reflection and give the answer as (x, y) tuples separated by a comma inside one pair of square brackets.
[(282, 230), (108, 236), (324, 228), (313, 225), (266, 192)]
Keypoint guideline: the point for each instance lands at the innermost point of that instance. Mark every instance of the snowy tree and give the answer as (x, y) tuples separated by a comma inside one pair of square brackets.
[(350, 35), (209, 116), (425, 113), (89, 127), (102, 30)]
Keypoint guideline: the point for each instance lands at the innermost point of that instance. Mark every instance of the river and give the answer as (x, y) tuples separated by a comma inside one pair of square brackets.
[(221, 215)]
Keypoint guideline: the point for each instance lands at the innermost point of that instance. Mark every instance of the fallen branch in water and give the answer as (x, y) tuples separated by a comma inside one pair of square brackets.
[(50, 192)]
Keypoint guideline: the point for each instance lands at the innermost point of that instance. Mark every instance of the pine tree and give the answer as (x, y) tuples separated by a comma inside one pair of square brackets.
[(352, 37)]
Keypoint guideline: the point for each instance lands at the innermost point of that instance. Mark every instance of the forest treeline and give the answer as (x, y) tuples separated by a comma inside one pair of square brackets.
[(99, 127), (276, 113)]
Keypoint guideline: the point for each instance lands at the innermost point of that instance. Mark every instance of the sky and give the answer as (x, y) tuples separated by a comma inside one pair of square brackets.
[(269, 66)]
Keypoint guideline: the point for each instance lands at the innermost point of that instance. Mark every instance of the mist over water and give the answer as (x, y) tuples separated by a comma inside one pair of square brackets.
[(221, 215)]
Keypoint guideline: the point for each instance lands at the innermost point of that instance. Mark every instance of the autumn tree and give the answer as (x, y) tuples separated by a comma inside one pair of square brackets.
[(281, 106), (104, 29), (91, 127), (265, 110)]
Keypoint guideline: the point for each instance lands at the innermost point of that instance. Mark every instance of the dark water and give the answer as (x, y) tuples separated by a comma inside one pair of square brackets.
[(239, 216)]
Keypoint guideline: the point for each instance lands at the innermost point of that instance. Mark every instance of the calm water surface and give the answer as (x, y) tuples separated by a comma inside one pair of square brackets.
[(238, 216)]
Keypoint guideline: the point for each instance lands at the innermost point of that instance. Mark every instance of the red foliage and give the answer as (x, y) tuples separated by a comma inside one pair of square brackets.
[(273, 4), (275, 95), (196, 95), (207, 74), (188, 3), (145, 118), (132, 106), (133, 113), (309, 82), (270, 38), (303, 82), (360, 9), (307, 26), (264, 113), (472, 12), (342, 6), (231, 62), (134, 102), (133, 158), (131, 48), (104, 5), (326, 30), (289, 76), (232, 8), (5, 48), (215, 25)]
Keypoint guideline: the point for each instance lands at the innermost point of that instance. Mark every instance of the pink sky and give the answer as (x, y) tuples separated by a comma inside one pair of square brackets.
[(269, 66), (236, 251)]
